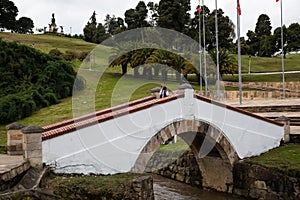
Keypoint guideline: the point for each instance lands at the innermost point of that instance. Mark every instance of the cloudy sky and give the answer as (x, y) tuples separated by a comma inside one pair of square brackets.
[(74, 14)]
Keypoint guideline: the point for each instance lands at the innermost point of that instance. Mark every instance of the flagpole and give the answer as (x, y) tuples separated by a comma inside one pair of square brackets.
[(217, 52), (239, 51), (282, 54), (200, 58), (204, 48)]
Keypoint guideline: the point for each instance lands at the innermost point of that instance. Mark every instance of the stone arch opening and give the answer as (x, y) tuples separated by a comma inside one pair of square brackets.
[(213, 152)]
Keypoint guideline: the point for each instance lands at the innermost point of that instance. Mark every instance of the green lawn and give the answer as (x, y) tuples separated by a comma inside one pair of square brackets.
[(285, 159), (260, 64)]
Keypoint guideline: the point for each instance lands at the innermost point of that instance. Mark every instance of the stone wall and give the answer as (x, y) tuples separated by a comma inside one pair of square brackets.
[(216, 174), (260, 183), (263, 90), (184, 169), (250, 181)]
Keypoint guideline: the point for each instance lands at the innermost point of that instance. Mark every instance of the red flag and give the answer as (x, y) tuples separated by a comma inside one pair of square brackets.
[(277, 0), (239, 7), (199, 8)]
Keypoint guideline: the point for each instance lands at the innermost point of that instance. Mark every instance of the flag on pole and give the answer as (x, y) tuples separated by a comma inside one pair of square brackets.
[(277, 0), (239, 8), (199, 7)]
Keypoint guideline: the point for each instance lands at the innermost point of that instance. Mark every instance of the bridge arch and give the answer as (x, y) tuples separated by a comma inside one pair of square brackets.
[(212, 151)]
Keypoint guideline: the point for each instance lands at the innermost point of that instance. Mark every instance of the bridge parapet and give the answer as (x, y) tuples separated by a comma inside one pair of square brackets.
[(71, 125)]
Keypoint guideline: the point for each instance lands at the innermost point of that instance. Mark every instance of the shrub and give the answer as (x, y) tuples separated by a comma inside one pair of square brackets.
[(55, 52)]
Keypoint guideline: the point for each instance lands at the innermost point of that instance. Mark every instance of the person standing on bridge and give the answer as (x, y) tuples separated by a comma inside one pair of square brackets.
[(163, 92)]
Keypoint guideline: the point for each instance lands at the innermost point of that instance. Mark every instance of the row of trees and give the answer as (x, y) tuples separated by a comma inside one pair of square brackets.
[(8, 21), (166, 14), (30, 80), (155, 60), (262, 42), (174, 14)]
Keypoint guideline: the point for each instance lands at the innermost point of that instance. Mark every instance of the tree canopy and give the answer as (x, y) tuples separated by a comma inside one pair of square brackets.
[(8, 14)]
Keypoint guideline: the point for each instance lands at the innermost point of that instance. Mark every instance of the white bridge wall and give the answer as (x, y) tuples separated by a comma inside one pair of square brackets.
[(113, 146)]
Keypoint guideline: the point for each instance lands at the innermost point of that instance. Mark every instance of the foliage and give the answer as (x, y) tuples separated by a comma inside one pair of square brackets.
[(94, 32), (263, 25), (24, 25), (173, 14), (227, 62), (8, 13), (30, 80), (136, 18), (263, 43), (114, 25), (293, 37), (55, 52)]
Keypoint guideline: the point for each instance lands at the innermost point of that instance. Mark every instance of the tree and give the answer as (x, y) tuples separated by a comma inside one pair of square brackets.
[(261, 42), (101, 34), (94, 32), (8, 13), (263, 25), (141, 14), (89, 30), (227, 62), (136, 18), (121, 55), (253, 42), (293, 37), (24, 25), (174, 14), (114, 25)]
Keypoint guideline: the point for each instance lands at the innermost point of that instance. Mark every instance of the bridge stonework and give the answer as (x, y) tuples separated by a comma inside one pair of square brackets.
[(198, 131), (216, 170)]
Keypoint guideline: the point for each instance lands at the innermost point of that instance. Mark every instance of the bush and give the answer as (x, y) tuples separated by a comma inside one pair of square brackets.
[(55, 52), (30, 80)]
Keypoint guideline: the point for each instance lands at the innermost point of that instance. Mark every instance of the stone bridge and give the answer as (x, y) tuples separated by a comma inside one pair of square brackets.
[(123, 138)]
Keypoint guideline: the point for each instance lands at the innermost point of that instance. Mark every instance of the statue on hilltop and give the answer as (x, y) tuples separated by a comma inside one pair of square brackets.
[(52, 27)]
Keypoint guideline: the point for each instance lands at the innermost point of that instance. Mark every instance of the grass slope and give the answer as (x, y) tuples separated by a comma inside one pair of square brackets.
[(45, 42), (273, 64), (285, 159)]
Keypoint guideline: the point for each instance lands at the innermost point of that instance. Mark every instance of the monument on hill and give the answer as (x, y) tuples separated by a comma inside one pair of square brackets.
[(53, 27)]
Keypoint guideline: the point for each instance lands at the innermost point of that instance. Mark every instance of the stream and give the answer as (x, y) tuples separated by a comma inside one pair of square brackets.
[(167, 189)]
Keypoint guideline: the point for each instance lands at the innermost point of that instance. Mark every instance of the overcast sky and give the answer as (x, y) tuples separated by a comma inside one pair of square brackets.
[(74, 14)]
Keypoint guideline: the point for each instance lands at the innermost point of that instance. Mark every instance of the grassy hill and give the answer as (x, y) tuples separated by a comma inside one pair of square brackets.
[(45, 42)]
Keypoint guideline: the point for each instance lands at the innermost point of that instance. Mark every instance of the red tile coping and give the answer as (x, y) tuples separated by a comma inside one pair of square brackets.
[(202, 98), (71, 125), (97, 113)]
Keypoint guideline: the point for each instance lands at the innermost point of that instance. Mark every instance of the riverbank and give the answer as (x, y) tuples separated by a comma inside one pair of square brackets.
[(77, 186), (273, 175)]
